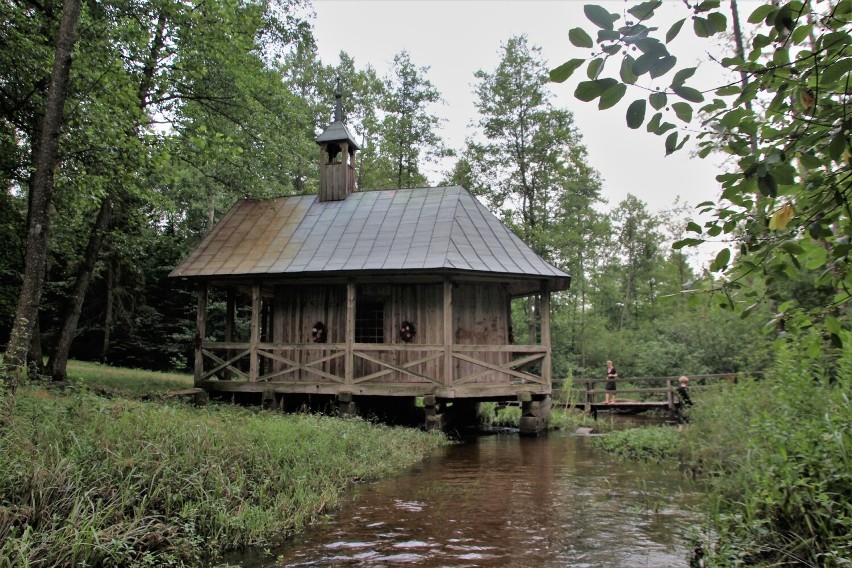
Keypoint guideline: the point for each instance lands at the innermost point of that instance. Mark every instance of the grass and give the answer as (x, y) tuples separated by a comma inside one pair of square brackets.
[(87, 480), (650, 443), (132, 382)]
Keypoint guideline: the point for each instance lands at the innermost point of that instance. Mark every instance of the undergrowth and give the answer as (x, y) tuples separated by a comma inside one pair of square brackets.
[(90, 481)]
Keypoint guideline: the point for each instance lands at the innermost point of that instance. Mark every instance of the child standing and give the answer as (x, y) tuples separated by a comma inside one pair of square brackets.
[(611, 375)]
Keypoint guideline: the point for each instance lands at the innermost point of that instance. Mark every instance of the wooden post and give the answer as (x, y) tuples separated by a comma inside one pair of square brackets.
[(448, 333), (545, 334), (349, 373), (200, 332), (670, 394), (255, 331), (230, 317), (589, 396), (277, 323)]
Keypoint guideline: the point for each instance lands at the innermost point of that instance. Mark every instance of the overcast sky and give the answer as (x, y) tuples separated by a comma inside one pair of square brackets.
[(456, 38)]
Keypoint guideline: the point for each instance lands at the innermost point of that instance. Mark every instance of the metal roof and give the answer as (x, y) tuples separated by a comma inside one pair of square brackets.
[(439, 228)]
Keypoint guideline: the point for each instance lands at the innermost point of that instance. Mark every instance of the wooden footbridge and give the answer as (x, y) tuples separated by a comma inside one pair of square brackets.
[(638, 394)]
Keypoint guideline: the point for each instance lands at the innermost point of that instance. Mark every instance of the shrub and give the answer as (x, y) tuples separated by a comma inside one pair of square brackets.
[(778, 456)]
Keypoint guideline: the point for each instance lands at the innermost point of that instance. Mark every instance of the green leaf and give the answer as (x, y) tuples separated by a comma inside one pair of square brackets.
[(815, 257), (588, 91), (688, 93), (657, 100), (728, 91), (600, 17), (644, 10), (626, 71), (654, 123), (837, 146), (836, 71), (723, 257), (802, 33), (611, 96), (594, 68), (701, 27), (580, 38), (671, 143), (682, 75), (832, 325), (674, 30), (717, 22), (564, 71), (636, 114), (767, 185), (686, 243), (662, 66), (694, 227), (608, 35), (760, 13), (683, 111)]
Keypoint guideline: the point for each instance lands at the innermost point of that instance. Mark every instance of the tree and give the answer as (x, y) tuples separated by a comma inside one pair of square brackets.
[(785, 205), (407, 132), (41, 189)]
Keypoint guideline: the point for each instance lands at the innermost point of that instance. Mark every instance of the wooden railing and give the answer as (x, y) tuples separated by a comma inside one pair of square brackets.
[(589, 392), (331, 363)]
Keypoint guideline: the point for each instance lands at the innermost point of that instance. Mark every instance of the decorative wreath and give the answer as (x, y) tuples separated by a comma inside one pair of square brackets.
[(407, 331), (318, 333)]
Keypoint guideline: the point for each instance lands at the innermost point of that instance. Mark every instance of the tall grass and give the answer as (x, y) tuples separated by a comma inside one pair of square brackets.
[(651, 443), (778, 457), (127, 381), (90, 481)]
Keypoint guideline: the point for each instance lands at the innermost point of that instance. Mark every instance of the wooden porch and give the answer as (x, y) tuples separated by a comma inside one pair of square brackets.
[(447, 370)]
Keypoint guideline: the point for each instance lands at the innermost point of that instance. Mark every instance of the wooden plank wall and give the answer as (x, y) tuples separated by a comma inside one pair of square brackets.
[(481, 318), (296, 309)]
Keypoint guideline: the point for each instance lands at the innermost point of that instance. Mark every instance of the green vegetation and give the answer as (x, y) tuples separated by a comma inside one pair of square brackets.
[(128, 381), (91, 481), (776, 455), (651, 443)]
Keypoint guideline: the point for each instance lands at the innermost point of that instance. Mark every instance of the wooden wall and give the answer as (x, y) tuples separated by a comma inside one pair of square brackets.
[(480, 315)]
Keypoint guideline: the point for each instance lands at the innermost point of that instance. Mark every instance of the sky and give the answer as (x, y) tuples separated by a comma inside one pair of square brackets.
[(457, 38)]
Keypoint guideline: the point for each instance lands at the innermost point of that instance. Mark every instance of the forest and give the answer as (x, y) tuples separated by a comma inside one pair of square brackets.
[(171, 112)]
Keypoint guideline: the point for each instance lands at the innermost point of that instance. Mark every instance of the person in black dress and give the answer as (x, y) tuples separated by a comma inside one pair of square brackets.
[(611, 375)]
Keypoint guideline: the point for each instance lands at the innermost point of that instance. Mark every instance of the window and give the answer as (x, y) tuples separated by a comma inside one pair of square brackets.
[(370, 322)]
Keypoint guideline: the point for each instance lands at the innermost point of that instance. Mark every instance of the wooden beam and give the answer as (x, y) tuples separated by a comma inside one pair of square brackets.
[(255, 331), (200, 331), (545, 332), (448, 332), (349, 373)]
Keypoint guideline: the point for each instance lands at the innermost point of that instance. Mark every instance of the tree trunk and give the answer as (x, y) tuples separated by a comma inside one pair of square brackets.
[(40, 196), (110, 299), (56, 365), (58, 362)]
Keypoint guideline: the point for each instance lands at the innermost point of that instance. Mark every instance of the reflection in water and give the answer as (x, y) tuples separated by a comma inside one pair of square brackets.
[(507, 501)]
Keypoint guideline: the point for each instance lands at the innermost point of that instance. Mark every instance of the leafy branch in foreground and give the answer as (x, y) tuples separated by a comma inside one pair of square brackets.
[(786, 123)]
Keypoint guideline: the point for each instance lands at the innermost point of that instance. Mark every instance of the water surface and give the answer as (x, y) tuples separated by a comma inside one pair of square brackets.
[(507, 501)]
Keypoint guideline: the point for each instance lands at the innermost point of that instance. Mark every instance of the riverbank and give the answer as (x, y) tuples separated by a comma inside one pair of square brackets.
[(88, 480), (775, 455)]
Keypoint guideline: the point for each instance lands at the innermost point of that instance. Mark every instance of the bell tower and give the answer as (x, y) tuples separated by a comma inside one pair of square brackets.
[(337, 157)]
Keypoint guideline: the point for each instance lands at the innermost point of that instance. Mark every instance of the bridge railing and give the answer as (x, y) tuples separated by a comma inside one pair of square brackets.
[(657, 391)]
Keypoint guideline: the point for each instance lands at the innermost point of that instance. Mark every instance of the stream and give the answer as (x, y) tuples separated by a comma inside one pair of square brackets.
[(504, 500)]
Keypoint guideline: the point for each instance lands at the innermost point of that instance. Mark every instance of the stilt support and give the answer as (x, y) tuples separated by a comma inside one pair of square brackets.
[(434, 417), (346, 404), (534, 414)]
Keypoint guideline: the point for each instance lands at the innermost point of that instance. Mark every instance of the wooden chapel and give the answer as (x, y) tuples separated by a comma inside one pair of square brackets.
[(367, 301)]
